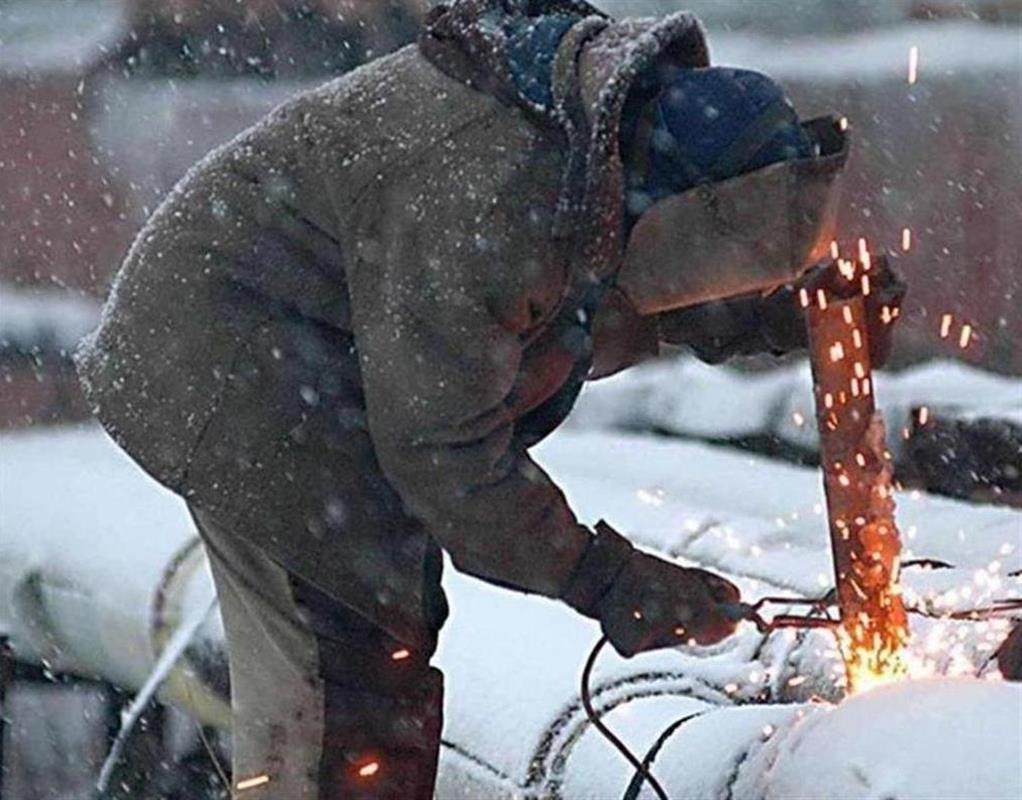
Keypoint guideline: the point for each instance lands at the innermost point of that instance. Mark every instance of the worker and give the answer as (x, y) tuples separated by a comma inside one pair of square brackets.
[(340, 334)]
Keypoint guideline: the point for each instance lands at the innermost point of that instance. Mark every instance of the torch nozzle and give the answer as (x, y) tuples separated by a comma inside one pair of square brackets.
[(818, 615)]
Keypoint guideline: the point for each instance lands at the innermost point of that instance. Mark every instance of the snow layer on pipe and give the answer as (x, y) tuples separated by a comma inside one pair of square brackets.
[(916, 740), (85, 540), (690, 398), (91, 535)]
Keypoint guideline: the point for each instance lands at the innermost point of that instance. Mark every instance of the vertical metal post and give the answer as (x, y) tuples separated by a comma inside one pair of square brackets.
[(857, 480)]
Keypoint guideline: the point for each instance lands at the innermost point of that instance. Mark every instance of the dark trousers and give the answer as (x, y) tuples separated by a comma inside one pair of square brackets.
[(326, 705)]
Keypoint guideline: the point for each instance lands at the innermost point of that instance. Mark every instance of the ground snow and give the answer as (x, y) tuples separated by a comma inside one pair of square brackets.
[(687, 397), (85, 537), (44, 318)]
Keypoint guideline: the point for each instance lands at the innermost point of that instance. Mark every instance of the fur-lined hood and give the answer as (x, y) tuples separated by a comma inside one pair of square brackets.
[(596, 65)]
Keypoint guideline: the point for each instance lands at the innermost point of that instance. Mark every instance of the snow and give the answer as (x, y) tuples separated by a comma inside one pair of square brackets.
[(866, 41), (81, 573), (85, 537), (47, 36), (32, 318), (804, 17), (945, 48), (151, 131), (912, 741), (687, 397)]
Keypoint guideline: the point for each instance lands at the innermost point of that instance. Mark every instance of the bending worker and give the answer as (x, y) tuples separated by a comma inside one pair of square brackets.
[(340, 334)]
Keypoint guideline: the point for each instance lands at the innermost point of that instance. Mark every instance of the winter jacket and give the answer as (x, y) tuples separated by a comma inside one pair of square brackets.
[(403, 265)]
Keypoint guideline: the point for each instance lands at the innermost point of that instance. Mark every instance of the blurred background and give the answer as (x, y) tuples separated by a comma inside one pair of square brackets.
[(104, 104)]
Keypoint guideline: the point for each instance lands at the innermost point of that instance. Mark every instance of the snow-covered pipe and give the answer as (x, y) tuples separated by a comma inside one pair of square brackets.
[(914, 740), (94, 582)]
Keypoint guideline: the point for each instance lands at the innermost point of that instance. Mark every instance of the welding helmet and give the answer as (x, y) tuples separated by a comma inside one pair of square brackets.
[(718, 237)]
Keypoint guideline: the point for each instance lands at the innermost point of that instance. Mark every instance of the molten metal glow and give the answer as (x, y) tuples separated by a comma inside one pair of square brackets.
[(368, 770), (873, 663)]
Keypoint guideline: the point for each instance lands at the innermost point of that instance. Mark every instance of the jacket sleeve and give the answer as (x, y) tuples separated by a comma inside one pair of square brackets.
[(739, 326), (439, 311)]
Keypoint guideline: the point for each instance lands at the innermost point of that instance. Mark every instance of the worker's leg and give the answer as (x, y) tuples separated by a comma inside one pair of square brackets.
[(383, 707), (276, 691), (325, 705)]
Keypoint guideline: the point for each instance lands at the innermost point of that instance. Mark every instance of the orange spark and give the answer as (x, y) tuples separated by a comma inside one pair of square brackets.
[(963, 339), (252, 783), (864, 253), (835, 251), (924, 414), (945, 326), (913, 64), (368, 770), (400, 655), (906, 239)]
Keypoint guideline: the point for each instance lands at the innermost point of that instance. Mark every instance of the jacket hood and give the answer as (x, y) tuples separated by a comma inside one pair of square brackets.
[(596, 64)]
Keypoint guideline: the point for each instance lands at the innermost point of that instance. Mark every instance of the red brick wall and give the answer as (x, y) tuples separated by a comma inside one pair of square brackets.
[(61, 213)]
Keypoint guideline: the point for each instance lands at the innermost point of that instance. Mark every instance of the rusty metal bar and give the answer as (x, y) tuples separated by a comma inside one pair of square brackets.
[(857, 475)]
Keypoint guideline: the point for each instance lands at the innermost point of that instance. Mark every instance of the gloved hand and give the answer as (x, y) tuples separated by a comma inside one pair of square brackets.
[(655, 604), (645, 603)]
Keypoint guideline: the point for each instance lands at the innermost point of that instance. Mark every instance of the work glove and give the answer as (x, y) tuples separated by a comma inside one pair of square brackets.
[(883, 303), (645, 603), (745, 325)]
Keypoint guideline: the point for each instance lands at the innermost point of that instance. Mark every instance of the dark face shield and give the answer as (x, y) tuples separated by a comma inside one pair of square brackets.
[(750, 233)]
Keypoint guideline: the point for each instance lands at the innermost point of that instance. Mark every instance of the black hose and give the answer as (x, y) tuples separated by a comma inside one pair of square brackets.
[(632, 793), (607, 733)]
